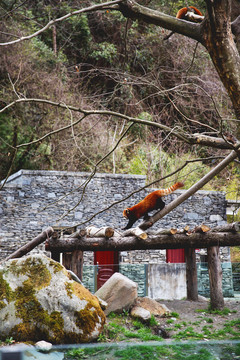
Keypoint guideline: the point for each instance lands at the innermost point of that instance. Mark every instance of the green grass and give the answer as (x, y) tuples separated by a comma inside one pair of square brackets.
[(196, 351), (121, 327), (230, 330), (223, 312), (136, 330)]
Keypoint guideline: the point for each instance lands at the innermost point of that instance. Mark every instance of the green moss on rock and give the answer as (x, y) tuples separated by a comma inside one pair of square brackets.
[(86, 320), (57, 267), (5, 292), (38, 274), (32, 320), (36, 322), (69, 289)]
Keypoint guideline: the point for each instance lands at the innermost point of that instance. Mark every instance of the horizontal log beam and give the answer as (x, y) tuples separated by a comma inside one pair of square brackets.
[(177, 241)]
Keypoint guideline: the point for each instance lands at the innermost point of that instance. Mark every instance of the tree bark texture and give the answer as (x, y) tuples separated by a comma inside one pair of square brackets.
[(219, 42), (191, 274), (215, 278), (74, 261)]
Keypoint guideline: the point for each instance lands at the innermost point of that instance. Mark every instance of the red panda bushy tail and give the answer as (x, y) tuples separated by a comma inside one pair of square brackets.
[(163, 192)]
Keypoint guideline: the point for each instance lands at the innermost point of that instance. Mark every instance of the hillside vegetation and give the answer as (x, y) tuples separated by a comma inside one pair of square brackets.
[(101, 60)]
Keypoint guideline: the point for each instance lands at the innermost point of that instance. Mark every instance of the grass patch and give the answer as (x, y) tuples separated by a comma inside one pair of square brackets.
[(152, 352), (123, 327), (223, 312)]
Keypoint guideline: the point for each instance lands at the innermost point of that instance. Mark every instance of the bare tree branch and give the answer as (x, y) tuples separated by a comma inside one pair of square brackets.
[(102, 6), (95, 170), (199, 139)]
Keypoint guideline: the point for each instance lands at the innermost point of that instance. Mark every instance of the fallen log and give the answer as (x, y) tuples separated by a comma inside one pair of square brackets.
[(31, 244), (177, 241), (139, 233), (93, 231), (233, 227), (171, 231)]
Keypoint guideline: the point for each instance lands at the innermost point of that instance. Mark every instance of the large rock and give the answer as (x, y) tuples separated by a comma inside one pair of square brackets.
[(119, 292), (38, 301)]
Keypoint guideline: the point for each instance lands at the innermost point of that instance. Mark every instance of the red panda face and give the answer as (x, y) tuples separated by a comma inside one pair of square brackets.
[(126, 213)]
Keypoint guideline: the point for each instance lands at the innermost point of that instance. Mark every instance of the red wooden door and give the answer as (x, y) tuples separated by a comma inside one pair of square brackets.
[(107, 262), (175, 256)]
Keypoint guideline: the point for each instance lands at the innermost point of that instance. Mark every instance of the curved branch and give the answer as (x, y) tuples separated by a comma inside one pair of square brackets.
[(194, 139)]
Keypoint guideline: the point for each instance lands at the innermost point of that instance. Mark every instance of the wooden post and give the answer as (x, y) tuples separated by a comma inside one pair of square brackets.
[(74, 261), (191, 274), (215, 278)]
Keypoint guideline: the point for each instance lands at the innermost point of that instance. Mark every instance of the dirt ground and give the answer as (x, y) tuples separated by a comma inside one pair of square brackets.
[(189, 316)]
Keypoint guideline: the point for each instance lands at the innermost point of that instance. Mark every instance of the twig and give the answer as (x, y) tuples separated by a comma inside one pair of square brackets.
[(142, 188), (94, 171)]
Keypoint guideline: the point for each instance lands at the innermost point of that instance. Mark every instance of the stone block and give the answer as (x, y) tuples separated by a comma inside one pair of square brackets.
[(119, 292)]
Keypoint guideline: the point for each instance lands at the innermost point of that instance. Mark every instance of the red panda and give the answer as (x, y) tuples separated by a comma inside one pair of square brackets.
[(182, 12), (181, 15), (152, 201)]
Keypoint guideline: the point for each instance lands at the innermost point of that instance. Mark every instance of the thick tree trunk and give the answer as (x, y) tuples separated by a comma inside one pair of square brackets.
[(215, 278), (218, 40), (191, 274)]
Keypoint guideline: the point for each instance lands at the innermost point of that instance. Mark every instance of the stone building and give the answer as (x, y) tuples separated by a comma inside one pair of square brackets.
[(30, 201)]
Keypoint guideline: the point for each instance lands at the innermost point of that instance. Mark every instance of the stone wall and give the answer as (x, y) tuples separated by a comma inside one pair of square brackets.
[(28, 204), (166, 281)]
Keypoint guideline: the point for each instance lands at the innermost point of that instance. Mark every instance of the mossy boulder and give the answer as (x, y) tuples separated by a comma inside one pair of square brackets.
[(38, 301)]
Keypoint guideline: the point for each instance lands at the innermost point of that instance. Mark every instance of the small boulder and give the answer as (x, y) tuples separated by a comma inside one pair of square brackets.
[(38, 301), (154, 307), (43, 346), (119, 292), (140, 313)]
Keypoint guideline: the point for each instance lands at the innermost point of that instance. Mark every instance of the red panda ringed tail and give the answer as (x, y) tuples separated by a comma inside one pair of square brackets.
[(152, 201)]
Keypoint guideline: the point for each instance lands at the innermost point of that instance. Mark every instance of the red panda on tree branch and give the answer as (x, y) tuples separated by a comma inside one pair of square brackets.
[(152, 201), (181, 14), (189, 13)]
